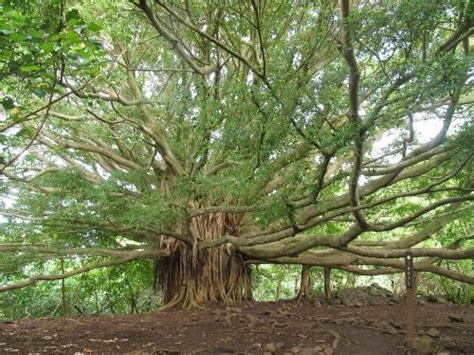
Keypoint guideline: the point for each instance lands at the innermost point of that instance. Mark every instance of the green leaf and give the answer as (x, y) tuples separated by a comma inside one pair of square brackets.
[(40, 92), (48, 47), (29, 68), (94, 27), (17, 18), (72, 22), (8, 103), (22, 132), (71, 37), (72, 14)]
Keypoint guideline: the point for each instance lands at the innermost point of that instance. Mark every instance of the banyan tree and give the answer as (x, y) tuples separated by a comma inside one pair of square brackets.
[(209, 136)]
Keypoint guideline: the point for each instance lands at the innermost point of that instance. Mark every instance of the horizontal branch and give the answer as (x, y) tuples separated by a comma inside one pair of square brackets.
[(442, 253), (34, 279), (116, 261), (349, 262), (58, 251)]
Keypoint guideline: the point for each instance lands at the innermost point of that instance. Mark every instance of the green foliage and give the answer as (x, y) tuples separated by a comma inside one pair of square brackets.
[(113, 136), (440, 289), (37, 37), (120, 290), (273, 282)]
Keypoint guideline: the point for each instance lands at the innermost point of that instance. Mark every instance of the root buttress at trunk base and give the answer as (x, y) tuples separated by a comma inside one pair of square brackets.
[(210, 275)]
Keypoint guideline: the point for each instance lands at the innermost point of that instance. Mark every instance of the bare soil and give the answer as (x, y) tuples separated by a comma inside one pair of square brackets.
[(308, 327)]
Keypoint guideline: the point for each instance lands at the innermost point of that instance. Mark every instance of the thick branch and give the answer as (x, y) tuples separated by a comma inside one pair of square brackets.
[(173, 39), (34, 279)]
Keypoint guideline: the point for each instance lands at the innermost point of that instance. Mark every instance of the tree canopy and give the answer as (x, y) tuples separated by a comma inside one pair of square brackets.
[(294, 132)]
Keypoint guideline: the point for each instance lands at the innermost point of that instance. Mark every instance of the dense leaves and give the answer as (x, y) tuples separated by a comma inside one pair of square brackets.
[(316, 133)]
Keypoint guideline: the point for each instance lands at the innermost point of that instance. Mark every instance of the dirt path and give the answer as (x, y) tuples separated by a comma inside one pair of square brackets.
[(281, 327)]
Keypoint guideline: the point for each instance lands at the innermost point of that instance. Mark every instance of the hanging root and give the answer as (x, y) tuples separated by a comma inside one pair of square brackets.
[(212, 275)]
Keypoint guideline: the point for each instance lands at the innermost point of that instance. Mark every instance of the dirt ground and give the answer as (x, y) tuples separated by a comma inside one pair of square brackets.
[(308, 327)]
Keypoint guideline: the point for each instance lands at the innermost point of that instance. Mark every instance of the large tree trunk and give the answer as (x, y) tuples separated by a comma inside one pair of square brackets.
[(189, 277)]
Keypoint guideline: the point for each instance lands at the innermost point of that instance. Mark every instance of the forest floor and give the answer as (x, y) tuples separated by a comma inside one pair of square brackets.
[(344, 325)]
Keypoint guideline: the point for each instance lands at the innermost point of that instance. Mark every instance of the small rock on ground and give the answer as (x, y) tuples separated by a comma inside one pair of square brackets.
[(456, 319), (296, 349), (423, 344), (307, 351), (433, 332), (270, 348)]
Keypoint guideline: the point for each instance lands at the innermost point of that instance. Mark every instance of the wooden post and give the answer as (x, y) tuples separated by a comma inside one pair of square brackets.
[(410, 297), (327, 282)]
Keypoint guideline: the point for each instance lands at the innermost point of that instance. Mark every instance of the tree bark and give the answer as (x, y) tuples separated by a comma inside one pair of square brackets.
[(327, 282), (190, 277), (305, 283)]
